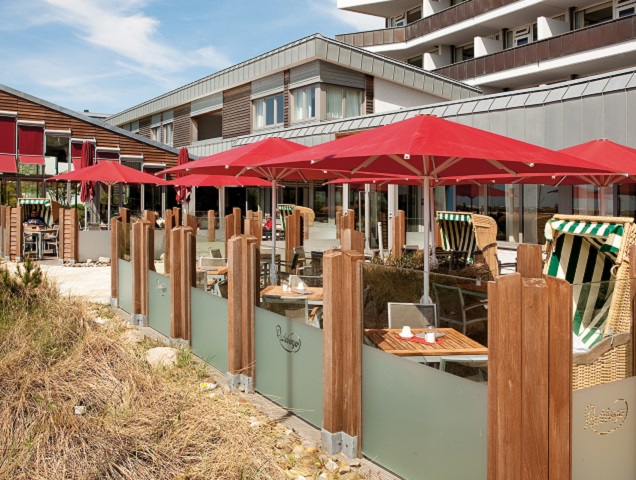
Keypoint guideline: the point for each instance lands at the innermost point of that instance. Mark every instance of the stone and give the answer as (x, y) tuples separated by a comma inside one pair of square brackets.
[(89, 261), (103, 259), (298, 449), (344, 469), (100, 320), (133, 336), (355, 462), (162, 357), (331, 466)]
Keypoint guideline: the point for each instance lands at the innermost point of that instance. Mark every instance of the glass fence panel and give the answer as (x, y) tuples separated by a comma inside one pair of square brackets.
[(288, 367), (205, 248), (439, 419), (125, 285), (159, 302), (159, 249), (125, 241), (603, 431), (209, 330)]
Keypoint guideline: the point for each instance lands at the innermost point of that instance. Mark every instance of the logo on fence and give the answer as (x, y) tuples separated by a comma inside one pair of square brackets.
[(608, 420), (162, 288), (290, 342)]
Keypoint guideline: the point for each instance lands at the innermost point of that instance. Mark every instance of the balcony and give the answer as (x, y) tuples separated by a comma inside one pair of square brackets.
[(498, 67), (446, 18)]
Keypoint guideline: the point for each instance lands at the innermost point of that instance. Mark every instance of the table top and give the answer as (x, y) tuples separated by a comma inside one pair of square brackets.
[(213, 270), (38, 229), (455, 343), (316, 296)]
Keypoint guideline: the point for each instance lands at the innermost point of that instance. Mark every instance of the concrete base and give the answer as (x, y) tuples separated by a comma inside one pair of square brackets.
[(339, 442), (140, 320), (238, 380), (114, 302)]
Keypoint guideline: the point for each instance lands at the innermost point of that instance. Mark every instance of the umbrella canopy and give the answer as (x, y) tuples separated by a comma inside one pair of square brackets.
[(433, 147), (183, 192), (109, 173), (87, 191), (200, 180)]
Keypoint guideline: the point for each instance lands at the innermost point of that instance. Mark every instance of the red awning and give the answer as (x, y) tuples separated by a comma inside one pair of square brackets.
[(7, 164), (31, 159), (109, 172), (7, 135), (76, 153), (199, 180), (107, 155), (31, 144)]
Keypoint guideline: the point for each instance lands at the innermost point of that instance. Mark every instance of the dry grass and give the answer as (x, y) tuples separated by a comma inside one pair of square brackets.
[(139, 423)]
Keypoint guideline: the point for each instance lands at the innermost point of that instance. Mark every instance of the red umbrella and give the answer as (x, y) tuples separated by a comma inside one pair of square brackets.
[(200, 180), (183, 192), (435, 149), (87, 191), (109, 173)]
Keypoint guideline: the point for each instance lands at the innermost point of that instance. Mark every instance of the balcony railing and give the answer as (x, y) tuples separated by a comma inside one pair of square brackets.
[(577, 41), (445, 18)]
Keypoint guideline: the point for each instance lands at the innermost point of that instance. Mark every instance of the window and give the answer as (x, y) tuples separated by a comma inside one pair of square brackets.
[(593, 15), (343, 102), (397, 21), (464, 52), (167, 133), (269, 111), (519, 36), (417, 61), (304, 104), (625, 8), (414, 15), (155, 133)]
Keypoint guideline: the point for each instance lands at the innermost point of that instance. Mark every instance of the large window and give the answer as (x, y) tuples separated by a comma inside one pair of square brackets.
[(414, 15), (167, 133), (343, 102), (269, 111), (304, 104), (593, 15), (464, 52), (417, 61), (155, 133)]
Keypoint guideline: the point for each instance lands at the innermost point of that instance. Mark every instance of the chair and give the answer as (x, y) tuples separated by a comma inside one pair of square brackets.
[(212, 262), (464, 233), (215, 253), (452, 307), (51, 241), (592, 254), (31, 240), (293, 307), (414, 315)]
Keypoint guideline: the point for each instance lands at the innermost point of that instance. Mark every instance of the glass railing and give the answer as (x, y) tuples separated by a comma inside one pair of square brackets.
[(159, 302), (209, 328), (125, 285), (125, 241)]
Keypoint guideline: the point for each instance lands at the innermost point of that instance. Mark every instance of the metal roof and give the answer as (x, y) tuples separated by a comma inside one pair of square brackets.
[(312, 47), (92, 121)]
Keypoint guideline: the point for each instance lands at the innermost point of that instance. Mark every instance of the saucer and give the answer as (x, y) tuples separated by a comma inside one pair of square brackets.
[(406, 338), (303, 292)]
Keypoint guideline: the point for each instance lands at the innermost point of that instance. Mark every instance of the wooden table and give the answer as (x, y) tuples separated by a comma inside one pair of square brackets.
[(456, 348), (215, 273), (213, 270), (315, 298)]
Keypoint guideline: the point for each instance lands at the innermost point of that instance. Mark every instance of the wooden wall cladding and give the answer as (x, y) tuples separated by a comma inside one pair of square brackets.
[(28, 110), (144, 127), (182, 126), (369, 95), (237, 111)]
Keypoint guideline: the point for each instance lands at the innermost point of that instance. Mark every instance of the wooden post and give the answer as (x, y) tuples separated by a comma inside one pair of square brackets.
[(253, 228), (68, 247), (338, 224), (176, 214), (238, 220), (176, 298), (211, 225), (124, 214), (14, 233), (170, 224), (529, 261), (398, 233), (182, 278), (191, 221), (151, 217), (632, 296), (352, 240), (243, 273), (142, 261), (348, 220), (342, 353), (115, 231), (305, 225), (229, 230), (530, 365)]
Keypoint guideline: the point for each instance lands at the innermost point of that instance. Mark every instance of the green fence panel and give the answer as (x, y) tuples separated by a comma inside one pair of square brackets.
[(125, 285), (209, 328), (159, 302), (420, 422), (288, 365)]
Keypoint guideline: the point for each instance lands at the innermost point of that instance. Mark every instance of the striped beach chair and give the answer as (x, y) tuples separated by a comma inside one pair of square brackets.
[(591, 253), (47, 209), (467, 232), (284, 209)]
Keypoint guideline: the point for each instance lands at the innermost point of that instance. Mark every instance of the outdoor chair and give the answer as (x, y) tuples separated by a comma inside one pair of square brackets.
[(414, 315), (453, 308), (215, 252), (51, 241), (212, 262), (467, 232), (284, 209), (293, 307), (591, 253), (31, 244)]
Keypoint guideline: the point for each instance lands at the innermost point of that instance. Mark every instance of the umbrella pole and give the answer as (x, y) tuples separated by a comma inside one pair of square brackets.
[(86, 215), (272, 268), (601, 201), (432, 221), (427, 232), (108, 211)]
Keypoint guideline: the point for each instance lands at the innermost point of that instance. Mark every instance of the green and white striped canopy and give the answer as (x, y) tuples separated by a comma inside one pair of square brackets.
[(284, 209), (457, 233), (584, 254), (35, 201), (41, 205)]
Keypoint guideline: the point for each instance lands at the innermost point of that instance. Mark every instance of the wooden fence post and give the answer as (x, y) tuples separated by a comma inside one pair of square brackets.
[(151, 217), (632, 297), (176, 214), (342, 353), (229, 230), (293, 233), (529, 261), (253, 228), (338, 224), (175, 282), (352, 240), (2, 227), (124, 214), (14, 234), (115, 232), (142, 261), (211, 225), (348, 220), (68, 246), (530, 365), (243, 263), (238, 220), (398, 233), (182, 278), (191, 221)]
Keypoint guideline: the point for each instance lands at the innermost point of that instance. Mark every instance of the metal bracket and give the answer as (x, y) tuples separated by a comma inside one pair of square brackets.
[(238, 380), (338, 442), (114, 302), (139, 320)]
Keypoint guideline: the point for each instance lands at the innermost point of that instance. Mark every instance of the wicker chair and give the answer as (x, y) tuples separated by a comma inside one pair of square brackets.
[(468, 232), (592, 254)]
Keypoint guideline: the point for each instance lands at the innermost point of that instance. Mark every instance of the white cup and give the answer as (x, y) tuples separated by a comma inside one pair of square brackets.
[(406, 332), (301, 285), (286, 288)]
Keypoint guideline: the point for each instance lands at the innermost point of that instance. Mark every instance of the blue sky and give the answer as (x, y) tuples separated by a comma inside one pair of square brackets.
[(107, 55)]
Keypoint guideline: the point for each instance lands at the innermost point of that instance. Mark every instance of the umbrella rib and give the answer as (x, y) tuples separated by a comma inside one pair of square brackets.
[(446, 164), (497, 164), (366, 163), (406, 165)]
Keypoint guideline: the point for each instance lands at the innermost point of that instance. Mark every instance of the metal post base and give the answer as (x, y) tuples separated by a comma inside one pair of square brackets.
[(238, 380), (114, 302), (19, 259), (179, 342), (338, 442), (139, 320)]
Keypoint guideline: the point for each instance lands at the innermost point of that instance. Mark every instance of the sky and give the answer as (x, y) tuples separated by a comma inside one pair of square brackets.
[(108, 55)]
